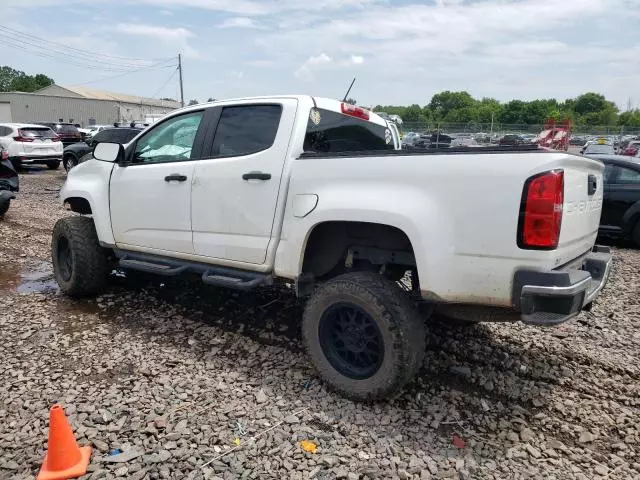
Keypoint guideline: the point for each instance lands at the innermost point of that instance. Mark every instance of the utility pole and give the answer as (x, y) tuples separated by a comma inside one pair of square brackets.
[(181, 86)]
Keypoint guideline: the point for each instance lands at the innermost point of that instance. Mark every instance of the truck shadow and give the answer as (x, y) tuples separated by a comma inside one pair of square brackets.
[(473, 361)]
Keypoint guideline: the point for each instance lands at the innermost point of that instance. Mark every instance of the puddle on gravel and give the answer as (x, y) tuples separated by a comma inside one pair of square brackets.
[(37, 278)]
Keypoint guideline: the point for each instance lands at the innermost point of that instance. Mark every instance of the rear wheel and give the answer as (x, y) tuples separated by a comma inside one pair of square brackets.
[(53, 165), (636, 234), (4, 207), (363, 335), (80, 264), (69, 161)]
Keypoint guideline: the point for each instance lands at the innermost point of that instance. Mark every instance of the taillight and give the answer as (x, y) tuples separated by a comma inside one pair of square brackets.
[(354, 111), (56, 138), (541, 211), (20, 138)]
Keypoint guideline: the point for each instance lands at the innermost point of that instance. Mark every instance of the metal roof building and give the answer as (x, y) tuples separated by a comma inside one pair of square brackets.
[(80, 105)]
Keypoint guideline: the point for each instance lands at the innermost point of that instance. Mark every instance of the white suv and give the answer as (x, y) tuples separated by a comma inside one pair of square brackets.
[(30, 144)]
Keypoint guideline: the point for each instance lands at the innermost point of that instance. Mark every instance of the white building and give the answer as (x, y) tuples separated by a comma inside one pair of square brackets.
[(80, 105)]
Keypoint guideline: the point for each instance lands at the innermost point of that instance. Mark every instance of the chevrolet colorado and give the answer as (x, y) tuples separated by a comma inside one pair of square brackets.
[(313, 192)]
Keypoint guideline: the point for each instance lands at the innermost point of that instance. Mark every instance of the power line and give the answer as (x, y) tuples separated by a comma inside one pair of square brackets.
[(62, 58), (50, 44), (157, 65), (98, 63), (173, 74)]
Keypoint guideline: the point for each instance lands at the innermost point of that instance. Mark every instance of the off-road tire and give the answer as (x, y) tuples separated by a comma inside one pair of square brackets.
[(401, 327), (89, 263), (4, 207), (53, 165)]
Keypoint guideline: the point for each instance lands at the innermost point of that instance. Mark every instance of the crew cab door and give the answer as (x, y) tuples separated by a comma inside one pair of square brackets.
[(150, 197), (623, 194), (236, 183)]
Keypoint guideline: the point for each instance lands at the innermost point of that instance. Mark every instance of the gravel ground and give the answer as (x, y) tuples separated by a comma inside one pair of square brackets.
[(172, 374)]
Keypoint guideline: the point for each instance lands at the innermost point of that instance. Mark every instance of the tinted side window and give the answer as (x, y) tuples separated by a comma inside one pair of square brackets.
[(124, 135), (4, 131), (103, 136), (627, 176), (609, 173), (243, 130), (329, 131)]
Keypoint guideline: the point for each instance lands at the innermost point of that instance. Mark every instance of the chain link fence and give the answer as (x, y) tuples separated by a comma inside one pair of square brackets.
[(499, 129)]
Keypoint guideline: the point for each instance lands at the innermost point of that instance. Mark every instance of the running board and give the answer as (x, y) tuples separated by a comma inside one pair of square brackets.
[(211, 275)]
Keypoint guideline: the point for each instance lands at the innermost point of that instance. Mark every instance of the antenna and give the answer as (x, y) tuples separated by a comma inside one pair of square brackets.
[(346, 95)]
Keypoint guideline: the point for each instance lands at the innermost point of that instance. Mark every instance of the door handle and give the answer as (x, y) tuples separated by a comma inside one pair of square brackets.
[(256, 176), (175, 177)]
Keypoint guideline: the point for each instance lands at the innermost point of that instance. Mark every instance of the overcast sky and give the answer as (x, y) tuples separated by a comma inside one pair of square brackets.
[(402, 52)]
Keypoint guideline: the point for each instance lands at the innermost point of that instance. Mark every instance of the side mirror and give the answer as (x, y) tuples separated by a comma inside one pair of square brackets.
[(109, 152)]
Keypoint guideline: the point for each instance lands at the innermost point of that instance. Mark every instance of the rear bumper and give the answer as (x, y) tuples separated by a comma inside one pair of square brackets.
[(36, 158), (552, 298)]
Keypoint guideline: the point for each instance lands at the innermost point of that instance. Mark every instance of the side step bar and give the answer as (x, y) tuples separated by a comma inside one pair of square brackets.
[(211, 275)]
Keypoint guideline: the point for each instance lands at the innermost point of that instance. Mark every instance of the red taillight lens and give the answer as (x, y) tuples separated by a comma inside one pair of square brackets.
[(541, 211), (354, 111), (56, 139), (20, 138)]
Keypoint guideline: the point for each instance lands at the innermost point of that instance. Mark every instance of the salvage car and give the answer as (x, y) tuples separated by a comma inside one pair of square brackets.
[(31, 144), (621, 203), (311, 192), (9, 182), (74, 154)]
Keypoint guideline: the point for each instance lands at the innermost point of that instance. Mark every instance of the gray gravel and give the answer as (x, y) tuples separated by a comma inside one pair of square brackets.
[(171, 374)]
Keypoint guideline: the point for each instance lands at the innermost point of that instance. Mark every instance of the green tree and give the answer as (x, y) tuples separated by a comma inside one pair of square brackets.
[(211, 99), (351, 101), (193, 102), (412, 114), (16, 80), (630, 118), (589, 103), (513, 112), (443, 103)]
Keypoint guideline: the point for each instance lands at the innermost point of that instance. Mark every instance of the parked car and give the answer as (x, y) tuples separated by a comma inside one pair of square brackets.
[(511, 139), (312, 192), (632, 148), (31, 144), (67, 132), (598, 148), (409, 138), (76, 153), (94, 129), (433, 140), (621, 200), (9, 182)]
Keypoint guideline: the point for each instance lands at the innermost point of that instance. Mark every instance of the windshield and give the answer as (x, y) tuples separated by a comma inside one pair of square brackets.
[(595, 148)]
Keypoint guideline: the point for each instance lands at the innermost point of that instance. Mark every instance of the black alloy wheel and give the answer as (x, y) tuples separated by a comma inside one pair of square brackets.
[(351, 341)]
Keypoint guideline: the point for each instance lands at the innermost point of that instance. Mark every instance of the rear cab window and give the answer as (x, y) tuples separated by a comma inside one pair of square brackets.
[(329, 130), (246, 129)]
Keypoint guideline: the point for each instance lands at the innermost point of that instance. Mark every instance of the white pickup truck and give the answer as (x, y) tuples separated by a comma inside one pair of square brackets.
[(313, 192)]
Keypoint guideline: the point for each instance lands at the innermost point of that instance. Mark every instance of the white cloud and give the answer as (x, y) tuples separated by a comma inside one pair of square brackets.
[(236, 74), (357, 59), (238, 22), (175, 37), (310, 65)]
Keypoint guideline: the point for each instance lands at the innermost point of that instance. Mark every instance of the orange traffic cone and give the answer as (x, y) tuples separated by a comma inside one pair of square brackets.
[(64, 459)]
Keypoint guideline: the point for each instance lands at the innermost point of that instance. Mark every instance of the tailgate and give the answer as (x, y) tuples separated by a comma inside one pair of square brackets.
[(583, 190)]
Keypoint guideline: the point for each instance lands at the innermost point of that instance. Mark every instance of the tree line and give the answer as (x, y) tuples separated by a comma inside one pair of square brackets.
[(12, 80), (588, 109)]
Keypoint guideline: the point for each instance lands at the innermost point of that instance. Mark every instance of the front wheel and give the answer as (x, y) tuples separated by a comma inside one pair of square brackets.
[(363, 335), (80, 264)]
